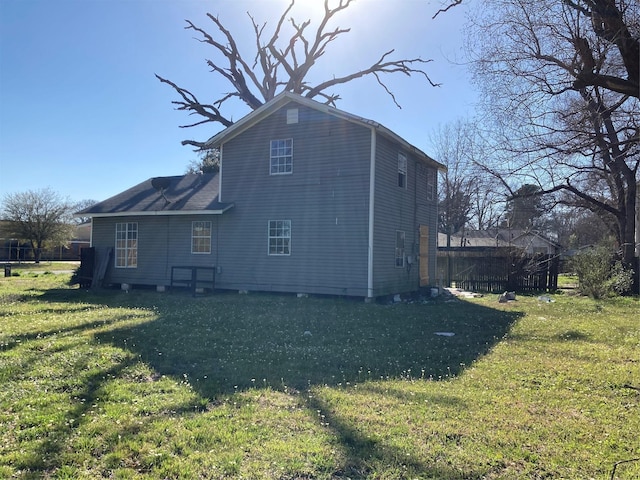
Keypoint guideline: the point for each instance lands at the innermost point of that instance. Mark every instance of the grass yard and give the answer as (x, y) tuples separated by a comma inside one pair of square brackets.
[(157, 385)]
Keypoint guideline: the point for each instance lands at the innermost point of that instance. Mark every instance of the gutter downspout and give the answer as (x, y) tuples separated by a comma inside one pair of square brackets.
[(372, 189)]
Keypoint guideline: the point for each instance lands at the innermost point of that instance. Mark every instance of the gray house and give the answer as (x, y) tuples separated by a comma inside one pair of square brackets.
[(309, 199)]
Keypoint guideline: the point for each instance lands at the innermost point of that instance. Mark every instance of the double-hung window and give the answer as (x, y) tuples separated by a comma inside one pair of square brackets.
[(127, 245), (402, 170), (400, 257), (281, 160), (431, 184), (201, 237), (279, 237)]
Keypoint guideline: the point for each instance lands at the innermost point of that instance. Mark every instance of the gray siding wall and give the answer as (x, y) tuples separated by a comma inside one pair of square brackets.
[(405, 209), (163, 242), (326, 198)]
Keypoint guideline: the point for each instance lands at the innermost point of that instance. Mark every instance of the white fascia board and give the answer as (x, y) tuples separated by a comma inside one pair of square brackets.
[(155, 213)]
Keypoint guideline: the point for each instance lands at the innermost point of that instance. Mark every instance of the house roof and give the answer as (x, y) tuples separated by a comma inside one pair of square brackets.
[(179, 195), (285, 97), (495, 237)]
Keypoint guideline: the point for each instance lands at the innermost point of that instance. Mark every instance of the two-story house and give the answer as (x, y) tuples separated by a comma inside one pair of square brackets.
[(308, 199)]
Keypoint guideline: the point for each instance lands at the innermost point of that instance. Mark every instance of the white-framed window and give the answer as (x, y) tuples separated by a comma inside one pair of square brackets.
[(201, 237), (292, 116), (279, 237), (400, 256), (402, 170), (127, 245), (431, 184), (281, 159)]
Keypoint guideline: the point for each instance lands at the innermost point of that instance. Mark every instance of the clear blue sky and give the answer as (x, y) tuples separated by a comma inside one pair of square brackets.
[(82, 113)]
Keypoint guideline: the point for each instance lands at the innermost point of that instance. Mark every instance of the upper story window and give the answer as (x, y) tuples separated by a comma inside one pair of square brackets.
[(126, 245), (292, 116), (281, 161), (431, 184), (201, 237), (402, 170), (279, 237)]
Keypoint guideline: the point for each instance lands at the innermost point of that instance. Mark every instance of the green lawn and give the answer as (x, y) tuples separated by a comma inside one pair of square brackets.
[(158, 385)]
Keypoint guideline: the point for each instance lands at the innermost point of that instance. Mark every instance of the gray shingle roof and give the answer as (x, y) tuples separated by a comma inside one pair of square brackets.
[(184, 194)]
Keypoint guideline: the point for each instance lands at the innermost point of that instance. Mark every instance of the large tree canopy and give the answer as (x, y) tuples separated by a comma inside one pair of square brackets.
[(282, 60), (563, 100), (614, 22)]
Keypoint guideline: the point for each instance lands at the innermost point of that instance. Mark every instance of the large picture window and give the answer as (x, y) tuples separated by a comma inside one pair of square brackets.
[(402, 170), (279, 237), (201, 237), (126, 245), (400, 257), (281, 156)]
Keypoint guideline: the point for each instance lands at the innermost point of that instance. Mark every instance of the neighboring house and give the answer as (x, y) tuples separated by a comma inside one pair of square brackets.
[(309, 199), (529, 241)]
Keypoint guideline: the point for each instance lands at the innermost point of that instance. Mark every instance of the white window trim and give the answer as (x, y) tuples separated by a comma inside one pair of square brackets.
[(193, 224), (126, 248), (269, 238), (402, 169), (271, 172), (403, 252)]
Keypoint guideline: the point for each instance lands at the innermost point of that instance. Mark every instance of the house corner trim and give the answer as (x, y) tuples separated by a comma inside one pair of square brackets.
[(372, 191)]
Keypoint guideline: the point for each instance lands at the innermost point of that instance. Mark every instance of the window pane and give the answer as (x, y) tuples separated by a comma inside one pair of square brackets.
[(126, 245), (281, 160), (399, 253), (201, 237), (279, 237)]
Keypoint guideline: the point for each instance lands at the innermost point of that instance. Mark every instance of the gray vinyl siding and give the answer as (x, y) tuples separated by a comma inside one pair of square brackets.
[(163, 241), (397, 208), (326, 198)]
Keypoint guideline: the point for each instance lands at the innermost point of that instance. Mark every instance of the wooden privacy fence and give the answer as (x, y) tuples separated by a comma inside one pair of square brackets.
[(497, 270)]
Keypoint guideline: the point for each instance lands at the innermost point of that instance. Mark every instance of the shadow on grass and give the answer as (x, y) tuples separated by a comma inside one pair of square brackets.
[(367, 456), (225, 343), (228, 342)]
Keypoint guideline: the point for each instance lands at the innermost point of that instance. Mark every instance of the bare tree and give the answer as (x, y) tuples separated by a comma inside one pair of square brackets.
[(468, 198), (279, 63), (81, 205), (611, 21), (556, 130), (41, 217)]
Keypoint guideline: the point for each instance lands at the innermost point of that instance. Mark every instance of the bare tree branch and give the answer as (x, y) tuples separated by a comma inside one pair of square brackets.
[(280, 64), (191, 104), (447, 8)]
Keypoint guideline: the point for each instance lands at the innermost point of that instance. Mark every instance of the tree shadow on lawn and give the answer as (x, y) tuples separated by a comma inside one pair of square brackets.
[(226, 343), (229, 342)]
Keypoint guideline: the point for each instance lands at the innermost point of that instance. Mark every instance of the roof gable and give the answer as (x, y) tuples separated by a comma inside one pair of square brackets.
[(177, 195), (285, 98)]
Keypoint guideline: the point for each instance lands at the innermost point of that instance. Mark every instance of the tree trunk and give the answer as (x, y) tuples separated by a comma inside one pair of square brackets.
[(628, 241)]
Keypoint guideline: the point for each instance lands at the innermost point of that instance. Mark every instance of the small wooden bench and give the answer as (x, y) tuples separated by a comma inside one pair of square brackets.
[(193, 277)]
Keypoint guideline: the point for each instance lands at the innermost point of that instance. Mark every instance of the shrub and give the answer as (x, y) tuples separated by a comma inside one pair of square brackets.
[(601, 273)]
